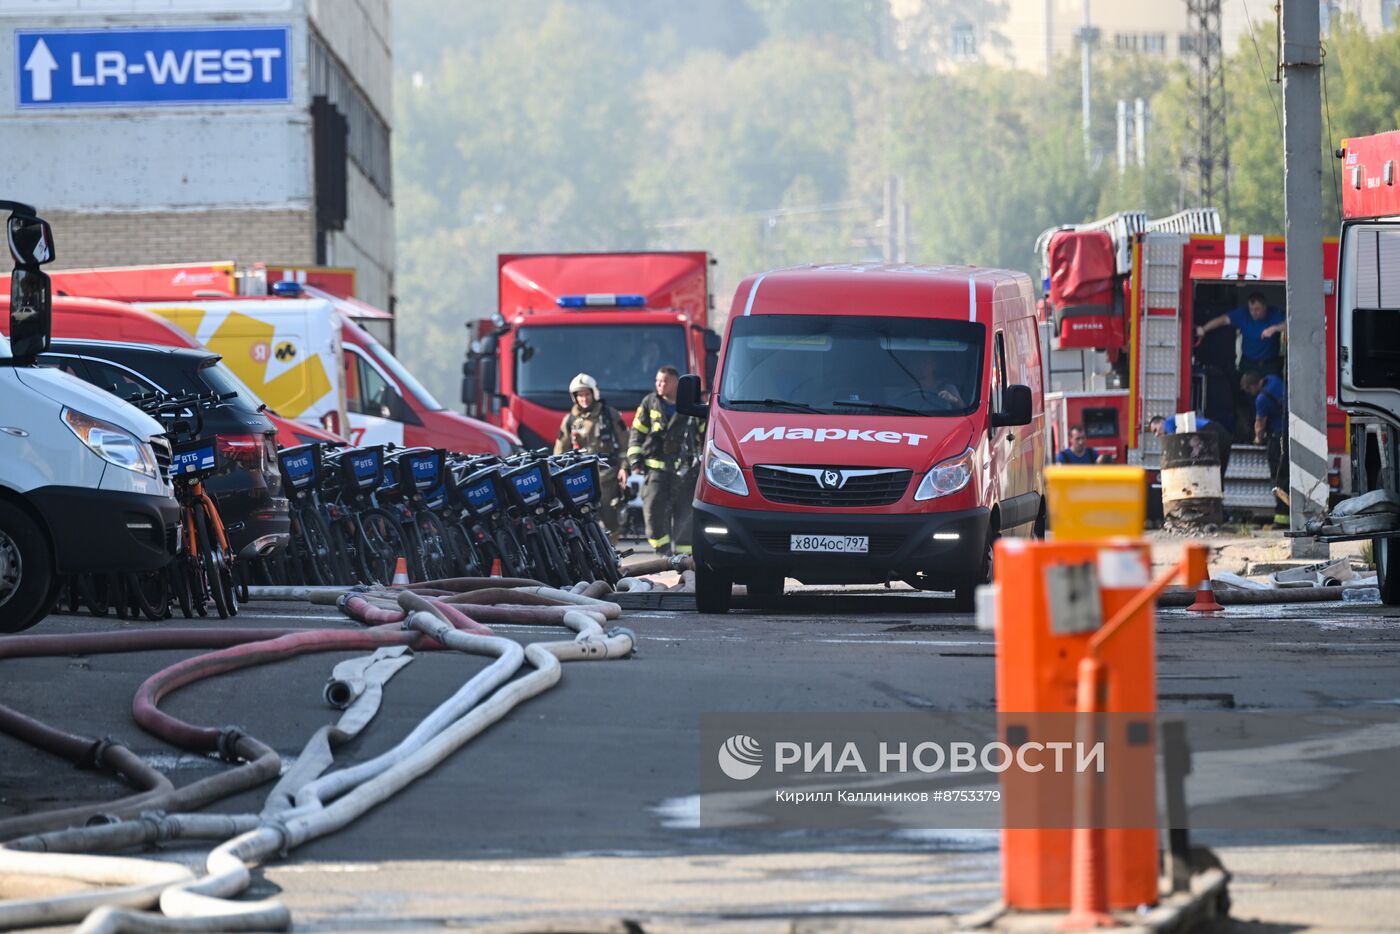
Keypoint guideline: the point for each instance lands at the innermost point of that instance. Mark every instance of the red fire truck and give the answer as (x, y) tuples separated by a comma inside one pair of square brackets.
[(1122, 299), (615, 316)]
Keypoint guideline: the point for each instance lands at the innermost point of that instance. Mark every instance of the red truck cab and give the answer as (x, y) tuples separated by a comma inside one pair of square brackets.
[(871, 423), (615, 316)]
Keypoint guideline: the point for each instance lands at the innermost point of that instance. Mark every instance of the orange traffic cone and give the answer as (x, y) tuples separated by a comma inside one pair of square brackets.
[(401, 573), (1205, 599), (496, 568)]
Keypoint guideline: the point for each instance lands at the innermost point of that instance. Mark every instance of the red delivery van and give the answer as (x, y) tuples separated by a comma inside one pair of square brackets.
[(871, 423)]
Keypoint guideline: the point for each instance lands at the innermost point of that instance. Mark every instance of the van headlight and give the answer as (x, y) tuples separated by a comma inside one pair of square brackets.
[(946, 477), (114, 445), (723, 472)]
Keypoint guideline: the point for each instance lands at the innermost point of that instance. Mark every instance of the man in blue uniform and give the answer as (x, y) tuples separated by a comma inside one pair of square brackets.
[(1271, 430), (1260, 325), (1078, 451)]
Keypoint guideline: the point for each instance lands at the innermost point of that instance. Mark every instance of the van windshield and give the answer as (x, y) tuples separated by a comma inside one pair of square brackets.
[(853, 365)]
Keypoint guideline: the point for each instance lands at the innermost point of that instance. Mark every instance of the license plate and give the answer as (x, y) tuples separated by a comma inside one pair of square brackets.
[(846, 544)]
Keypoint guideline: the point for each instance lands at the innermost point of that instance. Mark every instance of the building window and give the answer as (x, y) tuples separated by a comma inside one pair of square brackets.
[(963, 42), (1186, 43), (1126, 41), (368, 137), (1156, 43)]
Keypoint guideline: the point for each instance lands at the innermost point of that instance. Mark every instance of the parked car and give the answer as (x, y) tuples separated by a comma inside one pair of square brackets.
[(83, 483), (248, 490)]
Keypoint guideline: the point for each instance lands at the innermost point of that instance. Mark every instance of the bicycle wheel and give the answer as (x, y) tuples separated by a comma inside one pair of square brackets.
[(468, 560), (313, 546), (95, 593), (381, 545), (581, 561), (150, 591), (413, 550), (558, 562), (211, 557), (606, 557), (180, 582), (438, 559)]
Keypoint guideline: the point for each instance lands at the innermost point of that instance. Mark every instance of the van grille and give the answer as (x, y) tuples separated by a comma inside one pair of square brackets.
[(799, 486), (160, 446)]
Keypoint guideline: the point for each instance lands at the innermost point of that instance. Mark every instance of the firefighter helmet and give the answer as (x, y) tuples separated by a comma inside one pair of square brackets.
[(584, 381)]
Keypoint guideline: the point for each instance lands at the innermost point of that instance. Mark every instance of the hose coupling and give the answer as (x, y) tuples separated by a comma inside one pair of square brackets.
[(624, 631), (97, 753), (229, 738)]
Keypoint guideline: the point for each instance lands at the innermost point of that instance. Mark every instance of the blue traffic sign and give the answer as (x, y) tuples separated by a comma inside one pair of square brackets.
[(152, 67)]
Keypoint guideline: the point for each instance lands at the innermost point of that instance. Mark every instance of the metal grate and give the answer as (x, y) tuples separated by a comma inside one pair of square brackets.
[(160, 446), (799, 486)]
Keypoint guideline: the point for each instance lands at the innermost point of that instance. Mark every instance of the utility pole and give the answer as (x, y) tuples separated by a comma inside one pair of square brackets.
[(1302, 229)]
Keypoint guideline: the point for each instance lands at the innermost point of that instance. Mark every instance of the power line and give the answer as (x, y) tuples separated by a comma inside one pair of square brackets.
[(1331, 140), (1249, 20)]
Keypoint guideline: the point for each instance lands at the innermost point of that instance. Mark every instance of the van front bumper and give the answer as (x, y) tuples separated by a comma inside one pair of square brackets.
[(107, 531), (758, 543)]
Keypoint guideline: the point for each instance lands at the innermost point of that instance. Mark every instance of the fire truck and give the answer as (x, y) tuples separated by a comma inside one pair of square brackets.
[(615, 316), (1122, 298)]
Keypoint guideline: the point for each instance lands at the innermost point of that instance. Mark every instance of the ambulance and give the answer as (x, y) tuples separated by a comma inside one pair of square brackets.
[(871, 423), (301, 348)]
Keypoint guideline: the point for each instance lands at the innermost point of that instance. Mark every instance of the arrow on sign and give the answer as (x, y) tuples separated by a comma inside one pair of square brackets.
[(41, 66)]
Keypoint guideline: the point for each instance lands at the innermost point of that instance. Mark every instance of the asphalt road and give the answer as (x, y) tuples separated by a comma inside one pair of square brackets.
[(581, 804)]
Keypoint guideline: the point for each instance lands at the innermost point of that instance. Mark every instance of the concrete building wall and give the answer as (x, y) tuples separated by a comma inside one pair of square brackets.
[(356, 34), (136, 184)]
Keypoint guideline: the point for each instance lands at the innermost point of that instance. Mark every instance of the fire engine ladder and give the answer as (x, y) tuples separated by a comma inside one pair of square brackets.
[(1159, 358), (1159, 338), (1190, 221)]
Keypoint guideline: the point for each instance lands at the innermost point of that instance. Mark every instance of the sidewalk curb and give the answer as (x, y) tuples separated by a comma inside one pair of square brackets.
[(1178, 913)]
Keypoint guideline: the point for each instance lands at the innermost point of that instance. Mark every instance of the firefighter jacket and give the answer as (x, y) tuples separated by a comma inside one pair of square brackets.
[(670, 444), (597, 430)]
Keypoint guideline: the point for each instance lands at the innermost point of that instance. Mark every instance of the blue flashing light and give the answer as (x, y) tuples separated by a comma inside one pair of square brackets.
[(601, 300), (286, 288)]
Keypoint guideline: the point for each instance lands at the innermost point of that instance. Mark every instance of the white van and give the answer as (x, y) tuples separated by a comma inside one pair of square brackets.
[(83, 475)]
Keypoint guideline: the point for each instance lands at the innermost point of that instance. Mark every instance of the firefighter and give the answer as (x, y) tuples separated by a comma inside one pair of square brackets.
[(1271, 430), (665, 446), (594, 426), (1261, 326)]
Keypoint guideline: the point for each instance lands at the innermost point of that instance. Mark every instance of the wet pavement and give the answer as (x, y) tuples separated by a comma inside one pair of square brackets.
[(581, 804)]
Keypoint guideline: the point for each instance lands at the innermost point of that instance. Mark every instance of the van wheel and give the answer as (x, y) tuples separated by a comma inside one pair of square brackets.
[(1387, 553), (965, 598), (713, 591), (28, 584)]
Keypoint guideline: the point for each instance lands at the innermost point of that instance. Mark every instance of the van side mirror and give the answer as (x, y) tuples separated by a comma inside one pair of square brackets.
[(688, 397), (30, 237), (31, 296), (31, 314), (712, 343), (1015, 407)]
